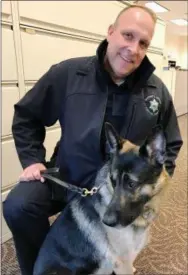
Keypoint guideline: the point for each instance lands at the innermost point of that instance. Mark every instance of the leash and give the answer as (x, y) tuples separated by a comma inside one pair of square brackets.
[(84, 192)]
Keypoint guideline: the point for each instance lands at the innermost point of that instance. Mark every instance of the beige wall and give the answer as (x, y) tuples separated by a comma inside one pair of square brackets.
[(183, 52), (176, 81), (171, 48), (176, 48), (180, 96)]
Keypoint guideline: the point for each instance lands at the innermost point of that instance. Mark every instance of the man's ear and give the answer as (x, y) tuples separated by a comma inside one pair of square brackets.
[(112, 137), (154, 148), (110, 32)]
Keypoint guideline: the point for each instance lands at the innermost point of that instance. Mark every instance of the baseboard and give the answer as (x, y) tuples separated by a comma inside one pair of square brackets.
[(6, 237), (5, 232), (182, 115), (181, 110)]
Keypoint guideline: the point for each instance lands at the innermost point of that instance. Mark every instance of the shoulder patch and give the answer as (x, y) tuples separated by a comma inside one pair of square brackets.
[(153, 104)]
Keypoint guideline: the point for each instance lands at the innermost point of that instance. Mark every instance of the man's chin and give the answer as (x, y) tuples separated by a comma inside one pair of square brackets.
[(121, 75)]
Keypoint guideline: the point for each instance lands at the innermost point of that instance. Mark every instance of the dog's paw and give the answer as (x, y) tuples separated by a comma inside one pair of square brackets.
[(149, 214)]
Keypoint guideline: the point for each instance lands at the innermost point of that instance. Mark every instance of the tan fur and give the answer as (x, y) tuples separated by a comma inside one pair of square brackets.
[(122, 200), (151, 209), (147, 189), (127, 146)]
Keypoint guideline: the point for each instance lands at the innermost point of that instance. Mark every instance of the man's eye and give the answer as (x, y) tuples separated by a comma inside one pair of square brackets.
[(128, 35), (143, 45)]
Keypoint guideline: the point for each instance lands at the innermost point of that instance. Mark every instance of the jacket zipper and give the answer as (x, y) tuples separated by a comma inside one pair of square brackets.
[(131, 120), (103, 115)]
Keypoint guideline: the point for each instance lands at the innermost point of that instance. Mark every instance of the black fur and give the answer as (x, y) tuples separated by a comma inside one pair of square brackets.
[(70, 243)]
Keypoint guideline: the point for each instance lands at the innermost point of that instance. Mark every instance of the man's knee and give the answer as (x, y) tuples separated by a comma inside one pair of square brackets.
[(18, 205), (13, 209)]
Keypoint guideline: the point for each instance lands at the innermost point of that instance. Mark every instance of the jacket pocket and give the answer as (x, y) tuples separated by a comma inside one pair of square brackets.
[(141, 124)]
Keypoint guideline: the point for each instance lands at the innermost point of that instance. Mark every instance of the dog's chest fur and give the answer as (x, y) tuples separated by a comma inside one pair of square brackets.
[(124, 244), (109, 243), (125, 241)]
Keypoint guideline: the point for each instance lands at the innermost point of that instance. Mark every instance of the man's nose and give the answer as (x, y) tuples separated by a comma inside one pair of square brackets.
[(134, 48)]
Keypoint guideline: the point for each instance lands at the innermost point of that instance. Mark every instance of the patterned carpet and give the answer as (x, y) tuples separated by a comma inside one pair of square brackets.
[(167, 251)]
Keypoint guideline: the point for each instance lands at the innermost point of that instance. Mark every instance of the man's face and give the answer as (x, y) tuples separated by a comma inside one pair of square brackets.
[(128, 41)]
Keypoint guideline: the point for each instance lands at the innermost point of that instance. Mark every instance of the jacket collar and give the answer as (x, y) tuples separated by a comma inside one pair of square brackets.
[(137, 80)]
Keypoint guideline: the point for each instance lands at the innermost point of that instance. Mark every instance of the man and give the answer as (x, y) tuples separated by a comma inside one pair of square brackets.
[(116, 85)]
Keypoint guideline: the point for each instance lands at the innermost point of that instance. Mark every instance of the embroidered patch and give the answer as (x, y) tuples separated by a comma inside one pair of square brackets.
[(153, 104)]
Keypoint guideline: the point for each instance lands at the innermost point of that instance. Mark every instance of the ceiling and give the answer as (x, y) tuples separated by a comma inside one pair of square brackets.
[(177, 10)]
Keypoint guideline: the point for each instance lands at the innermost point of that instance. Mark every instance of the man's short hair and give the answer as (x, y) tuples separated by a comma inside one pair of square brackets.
[(149, 11)]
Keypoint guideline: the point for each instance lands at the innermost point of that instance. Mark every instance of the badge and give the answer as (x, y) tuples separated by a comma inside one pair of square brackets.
[(153, 104)]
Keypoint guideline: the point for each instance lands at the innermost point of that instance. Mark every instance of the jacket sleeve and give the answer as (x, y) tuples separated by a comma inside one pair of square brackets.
[(171, 130), (39, 107)]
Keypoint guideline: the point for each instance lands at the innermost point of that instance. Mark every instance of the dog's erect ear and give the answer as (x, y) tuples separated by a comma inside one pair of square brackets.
[(154, 147), (112, 138)]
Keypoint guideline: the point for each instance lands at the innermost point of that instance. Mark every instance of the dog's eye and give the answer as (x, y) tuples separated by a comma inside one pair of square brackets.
[(128, 182), (131, 184), (113, 181), (125, 178)]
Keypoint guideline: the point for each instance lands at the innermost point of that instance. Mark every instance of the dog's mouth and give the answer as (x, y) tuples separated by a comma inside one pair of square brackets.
[(110, 221), (113, 219), (119, 224)]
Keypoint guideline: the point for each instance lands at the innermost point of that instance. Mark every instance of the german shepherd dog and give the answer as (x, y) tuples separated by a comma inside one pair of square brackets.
[(104, 233)]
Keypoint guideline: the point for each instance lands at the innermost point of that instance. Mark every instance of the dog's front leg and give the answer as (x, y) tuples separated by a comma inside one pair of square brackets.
[(123, 267)]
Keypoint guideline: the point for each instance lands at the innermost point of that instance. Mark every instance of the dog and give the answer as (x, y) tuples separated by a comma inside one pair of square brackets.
[(104, 233)]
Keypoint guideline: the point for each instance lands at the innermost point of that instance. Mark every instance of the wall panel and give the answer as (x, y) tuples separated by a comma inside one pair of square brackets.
[(88, 16), (41, 51), (6, 14), (11, 167), (10, 96), (9, 70)]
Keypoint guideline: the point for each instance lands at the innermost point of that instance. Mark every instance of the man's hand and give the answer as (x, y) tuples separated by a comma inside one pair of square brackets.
[(33, 172)]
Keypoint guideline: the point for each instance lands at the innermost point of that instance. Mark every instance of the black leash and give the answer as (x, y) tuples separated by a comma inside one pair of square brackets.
[(84, 192)]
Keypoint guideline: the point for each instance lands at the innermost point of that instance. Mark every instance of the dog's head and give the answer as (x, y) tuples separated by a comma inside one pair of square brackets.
[(136, 174)]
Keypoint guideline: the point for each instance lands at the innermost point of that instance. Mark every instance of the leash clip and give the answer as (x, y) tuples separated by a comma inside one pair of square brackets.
[(86, 192)]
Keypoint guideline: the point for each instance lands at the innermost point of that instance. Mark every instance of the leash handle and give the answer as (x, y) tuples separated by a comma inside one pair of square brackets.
[(50, 170)]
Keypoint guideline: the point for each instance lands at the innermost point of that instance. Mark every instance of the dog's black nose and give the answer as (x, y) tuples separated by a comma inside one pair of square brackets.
[(110, 219)]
